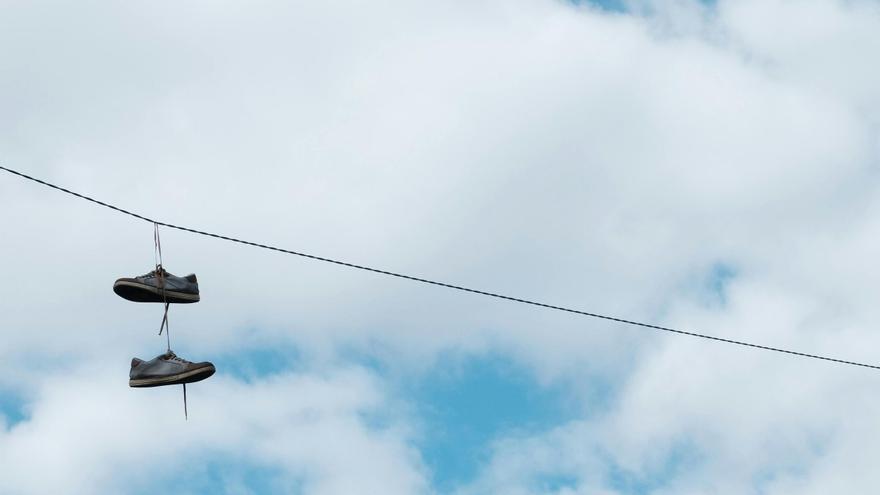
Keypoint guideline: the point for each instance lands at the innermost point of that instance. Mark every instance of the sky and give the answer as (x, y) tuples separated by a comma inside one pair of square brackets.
[(710, 166)]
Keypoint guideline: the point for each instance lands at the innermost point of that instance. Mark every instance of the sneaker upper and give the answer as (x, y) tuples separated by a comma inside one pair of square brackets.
[(167, 364), (188, 283)]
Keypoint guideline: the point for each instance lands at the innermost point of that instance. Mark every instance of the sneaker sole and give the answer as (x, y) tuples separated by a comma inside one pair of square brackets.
[(136, 292), (190, 376)]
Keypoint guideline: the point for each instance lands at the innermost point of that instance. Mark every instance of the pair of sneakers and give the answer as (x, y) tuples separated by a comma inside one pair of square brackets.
[(159, 286)]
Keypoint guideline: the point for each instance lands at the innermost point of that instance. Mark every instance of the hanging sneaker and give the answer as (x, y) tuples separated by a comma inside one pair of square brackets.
[(150, 288), (167, 369)]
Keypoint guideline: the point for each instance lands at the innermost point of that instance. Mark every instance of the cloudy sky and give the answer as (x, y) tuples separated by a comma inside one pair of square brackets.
[(713, 166)]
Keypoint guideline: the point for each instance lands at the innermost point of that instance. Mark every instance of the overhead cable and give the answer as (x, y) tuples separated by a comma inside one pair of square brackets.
[(443, 284)]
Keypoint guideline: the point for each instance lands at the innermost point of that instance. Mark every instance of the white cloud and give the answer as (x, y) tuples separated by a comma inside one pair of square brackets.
[(91, 435), (599, 161)]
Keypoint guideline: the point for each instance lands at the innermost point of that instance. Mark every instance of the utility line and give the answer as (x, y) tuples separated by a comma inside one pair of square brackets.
[(443, 284)]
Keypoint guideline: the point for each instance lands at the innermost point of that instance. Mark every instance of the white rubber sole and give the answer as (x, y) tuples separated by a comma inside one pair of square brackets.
[(146, 382)]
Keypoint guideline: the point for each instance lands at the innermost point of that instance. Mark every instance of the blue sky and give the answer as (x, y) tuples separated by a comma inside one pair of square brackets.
[(463, 404), (610, 5), (466, 402), (12, 407)]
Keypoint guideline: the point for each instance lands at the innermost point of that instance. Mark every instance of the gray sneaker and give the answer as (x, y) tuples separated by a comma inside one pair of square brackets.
[(167, 369), (150, 288)]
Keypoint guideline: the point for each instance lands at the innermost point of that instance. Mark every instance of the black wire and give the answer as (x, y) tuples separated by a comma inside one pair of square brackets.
[(443, 284)]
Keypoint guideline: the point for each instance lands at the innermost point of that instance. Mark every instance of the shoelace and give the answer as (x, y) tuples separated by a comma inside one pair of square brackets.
[(159, 273), (170, 356)]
